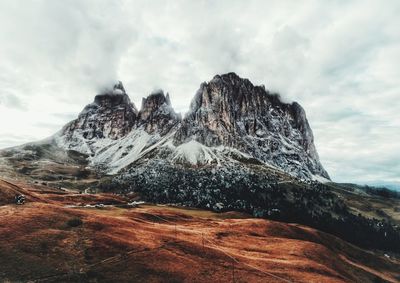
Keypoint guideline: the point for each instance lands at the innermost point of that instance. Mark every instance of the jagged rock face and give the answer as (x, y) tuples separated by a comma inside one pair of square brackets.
[(230, 111), (111, 115), (157, 114), (230, 120)]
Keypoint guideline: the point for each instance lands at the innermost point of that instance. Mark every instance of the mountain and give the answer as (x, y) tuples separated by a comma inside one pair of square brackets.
[(111, 115), (230, 111), (228, 114), (239, 148), (395, 186)]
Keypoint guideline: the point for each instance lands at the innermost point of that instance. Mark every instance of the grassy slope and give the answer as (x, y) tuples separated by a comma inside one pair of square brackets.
[(165, 244), (369, 205)]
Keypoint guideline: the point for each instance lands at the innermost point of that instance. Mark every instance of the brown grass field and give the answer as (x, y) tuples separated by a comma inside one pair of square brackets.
[(54, 238)]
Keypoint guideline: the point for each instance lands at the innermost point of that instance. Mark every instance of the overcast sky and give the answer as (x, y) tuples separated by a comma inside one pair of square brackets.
[(339, 59)]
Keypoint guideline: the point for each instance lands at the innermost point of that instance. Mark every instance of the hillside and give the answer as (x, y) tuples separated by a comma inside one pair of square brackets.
[(239, 151), (56, 238)]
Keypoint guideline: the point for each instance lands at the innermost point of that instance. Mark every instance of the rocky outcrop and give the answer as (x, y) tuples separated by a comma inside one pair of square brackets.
[(111, 115), (232, 112), (227, 114), (157, 114)]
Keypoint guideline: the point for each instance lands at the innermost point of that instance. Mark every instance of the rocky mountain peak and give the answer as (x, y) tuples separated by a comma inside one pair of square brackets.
[(226, 90), (230, 78), (110, 115), (113, 97), (119, 86), (156, 113), (227, 113), (153, 102), (230, 111)]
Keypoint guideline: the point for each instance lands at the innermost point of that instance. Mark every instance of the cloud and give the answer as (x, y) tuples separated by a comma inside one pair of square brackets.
[(337, 58), (11, 100)]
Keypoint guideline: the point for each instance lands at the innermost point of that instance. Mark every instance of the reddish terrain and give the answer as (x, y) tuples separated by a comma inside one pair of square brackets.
[(54, 238)]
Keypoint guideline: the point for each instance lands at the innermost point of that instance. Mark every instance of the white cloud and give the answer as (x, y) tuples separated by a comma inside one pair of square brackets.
[(339, 59)]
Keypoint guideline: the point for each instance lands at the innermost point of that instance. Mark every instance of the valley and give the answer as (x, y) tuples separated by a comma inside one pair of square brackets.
[(62, 236)]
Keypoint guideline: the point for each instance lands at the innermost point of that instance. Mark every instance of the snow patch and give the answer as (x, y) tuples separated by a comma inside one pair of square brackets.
[(195, 153), (121, 153), (320, 179)]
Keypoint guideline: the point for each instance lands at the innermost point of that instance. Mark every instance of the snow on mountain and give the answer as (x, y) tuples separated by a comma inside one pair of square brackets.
[(232, 112), (194, 153), (230, 121), (113, 154), (111, 115)]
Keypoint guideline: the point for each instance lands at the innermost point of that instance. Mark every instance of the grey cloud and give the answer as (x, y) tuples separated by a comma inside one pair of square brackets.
[(65, 115), (337, 58), (12, 140), (11, 100)]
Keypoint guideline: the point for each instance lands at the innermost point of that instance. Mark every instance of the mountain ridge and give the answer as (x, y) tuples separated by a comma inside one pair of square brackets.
[(239, 149), (228, 111)]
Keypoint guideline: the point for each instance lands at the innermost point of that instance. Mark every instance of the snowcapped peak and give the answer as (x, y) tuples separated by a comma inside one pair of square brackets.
[(157, 91), (156, 113), (119, 87), (231, 111), (154, 101), (230, 76), (111, 115), (158, 97), (228, 111), (113, 89)]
